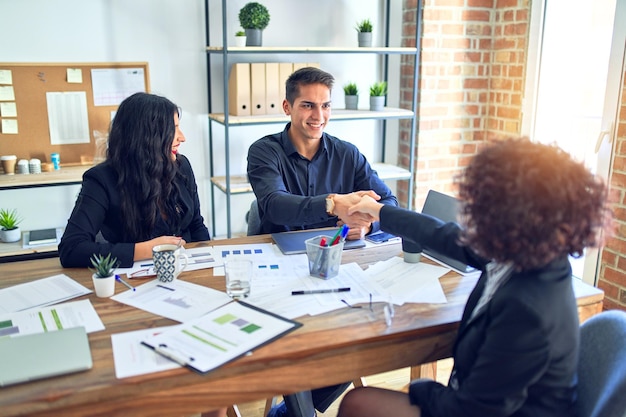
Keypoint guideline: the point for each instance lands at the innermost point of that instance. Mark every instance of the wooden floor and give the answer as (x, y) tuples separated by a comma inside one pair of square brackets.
[(397, 380)]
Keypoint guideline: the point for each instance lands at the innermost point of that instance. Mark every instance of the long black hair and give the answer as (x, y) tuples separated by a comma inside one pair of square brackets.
[(140, 149)]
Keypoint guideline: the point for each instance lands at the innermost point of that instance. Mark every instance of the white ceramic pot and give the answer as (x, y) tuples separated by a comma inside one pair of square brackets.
[(365, 39), (240, 41), (104, 287), (12, 235)]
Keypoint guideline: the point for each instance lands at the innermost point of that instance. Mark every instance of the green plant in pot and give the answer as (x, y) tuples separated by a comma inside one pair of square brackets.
[(364, 29), (103, 274), (240, 38), (9, 226), (351, 92), (378, 91), (254, 17)]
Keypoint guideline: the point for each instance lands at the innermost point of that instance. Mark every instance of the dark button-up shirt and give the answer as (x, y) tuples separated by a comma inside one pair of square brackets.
[(291, 190)]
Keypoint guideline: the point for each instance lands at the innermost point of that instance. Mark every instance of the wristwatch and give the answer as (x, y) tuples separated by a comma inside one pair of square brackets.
[(330, 205)]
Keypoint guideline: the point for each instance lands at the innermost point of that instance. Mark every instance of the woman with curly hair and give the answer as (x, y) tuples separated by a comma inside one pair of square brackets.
[(525, 208), (144, 194)]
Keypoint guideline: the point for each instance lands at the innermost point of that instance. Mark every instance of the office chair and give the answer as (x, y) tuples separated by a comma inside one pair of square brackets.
[(602, 366), (253, 219)]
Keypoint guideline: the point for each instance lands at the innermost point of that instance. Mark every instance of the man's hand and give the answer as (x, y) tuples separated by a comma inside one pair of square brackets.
[(360, 224)]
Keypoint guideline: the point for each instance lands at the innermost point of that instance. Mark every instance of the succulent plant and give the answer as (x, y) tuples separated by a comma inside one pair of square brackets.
[(350, 89), (103, 266), (378, 89), (9, 219), (364, 25)]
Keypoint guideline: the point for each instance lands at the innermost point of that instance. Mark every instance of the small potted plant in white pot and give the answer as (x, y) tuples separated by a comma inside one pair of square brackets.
[(254, 17), (351, 92), (378, 91), (240, 38), (9, 229), (364, 29), (103, 274)]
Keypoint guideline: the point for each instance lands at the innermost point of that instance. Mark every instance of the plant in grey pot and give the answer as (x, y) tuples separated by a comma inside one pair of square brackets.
[(364, 29), (9, 229), (378, 91), (351, 92), (254, 17), (103, 274)]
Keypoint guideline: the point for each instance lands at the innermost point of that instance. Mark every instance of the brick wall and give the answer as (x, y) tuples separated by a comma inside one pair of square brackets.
[(470, 83), (612, 276)]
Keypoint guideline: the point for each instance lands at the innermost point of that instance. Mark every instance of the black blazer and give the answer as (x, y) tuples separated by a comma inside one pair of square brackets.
[(98, 209), (519, 356)]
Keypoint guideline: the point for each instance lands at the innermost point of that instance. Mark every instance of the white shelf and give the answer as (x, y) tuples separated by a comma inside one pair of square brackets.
[(312, 50), (337, 114)]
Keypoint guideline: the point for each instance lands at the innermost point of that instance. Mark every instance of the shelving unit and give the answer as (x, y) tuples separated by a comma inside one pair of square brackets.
[(237, 183)]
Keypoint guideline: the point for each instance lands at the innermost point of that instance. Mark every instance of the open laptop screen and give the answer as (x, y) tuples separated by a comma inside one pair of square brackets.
[(446, 208)]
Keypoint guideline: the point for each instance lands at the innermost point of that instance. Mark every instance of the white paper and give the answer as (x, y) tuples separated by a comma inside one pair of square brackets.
[(218, 337), (409, 282), (9, 126), (134, 358), (39, 293), (8, 109), (74, 75), (112, 85), (177, 300), (6, 76), (48, 319), (67, 117), (7, 93)]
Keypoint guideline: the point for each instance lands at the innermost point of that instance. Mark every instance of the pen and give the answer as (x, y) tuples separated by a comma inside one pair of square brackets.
[(336, 237), (324, 291), (165, 288), (142, 265), (341, 234), (317, 265), (119, 279)]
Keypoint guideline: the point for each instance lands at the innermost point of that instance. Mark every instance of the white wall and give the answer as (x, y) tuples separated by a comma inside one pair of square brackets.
[(170, 36)]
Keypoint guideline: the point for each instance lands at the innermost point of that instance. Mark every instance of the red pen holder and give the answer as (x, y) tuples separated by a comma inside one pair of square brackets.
[(324, 260)]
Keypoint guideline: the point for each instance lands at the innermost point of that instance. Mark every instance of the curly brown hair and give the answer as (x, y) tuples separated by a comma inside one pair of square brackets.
[(529, 203)]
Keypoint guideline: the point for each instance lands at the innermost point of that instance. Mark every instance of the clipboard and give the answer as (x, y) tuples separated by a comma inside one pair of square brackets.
[(221, 336)]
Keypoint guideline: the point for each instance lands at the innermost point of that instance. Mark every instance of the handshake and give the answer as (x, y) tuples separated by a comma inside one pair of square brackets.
[(357, 210)]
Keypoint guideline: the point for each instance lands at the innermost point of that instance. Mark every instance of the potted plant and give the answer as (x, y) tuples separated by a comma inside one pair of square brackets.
[(103, 274), (364, 29), (351, 92), (240, 38), (254, 17), (9, 229), (378, 91)]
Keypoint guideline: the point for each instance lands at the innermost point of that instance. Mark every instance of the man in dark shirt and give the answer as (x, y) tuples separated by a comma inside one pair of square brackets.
[(304, 178)]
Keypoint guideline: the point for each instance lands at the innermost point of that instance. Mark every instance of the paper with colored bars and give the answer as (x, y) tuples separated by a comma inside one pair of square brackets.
[(220, 336)]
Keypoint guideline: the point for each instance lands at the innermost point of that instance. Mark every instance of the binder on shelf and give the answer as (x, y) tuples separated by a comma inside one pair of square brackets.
[(285, 69), (313, 64), (272, 88), (257, 88), (239, 90), (298, 65)]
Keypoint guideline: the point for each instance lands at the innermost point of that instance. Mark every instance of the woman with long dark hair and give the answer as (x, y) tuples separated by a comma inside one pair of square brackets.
[(525, 208), (144, 194)]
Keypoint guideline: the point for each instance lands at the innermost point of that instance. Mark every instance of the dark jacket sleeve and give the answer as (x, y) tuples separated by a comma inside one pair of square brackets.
[(78, 243)]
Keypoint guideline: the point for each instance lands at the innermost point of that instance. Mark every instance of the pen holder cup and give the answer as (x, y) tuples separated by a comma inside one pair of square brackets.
[(324, 261)]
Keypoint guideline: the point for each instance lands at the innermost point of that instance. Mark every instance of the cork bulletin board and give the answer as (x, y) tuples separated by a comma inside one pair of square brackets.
[(26, 127)]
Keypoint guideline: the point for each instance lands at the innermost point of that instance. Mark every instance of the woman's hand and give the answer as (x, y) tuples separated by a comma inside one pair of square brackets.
[(143, 250), (366, 206)]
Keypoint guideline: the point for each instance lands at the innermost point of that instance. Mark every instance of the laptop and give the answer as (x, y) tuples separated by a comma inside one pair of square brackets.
[(291, 243), (446, 208), (43, 355)]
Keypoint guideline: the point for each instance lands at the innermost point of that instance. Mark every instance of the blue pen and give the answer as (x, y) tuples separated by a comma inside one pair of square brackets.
[(118, 278)]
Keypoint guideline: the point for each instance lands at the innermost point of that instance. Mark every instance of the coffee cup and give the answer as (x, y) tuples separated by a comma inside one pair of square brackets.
[(167, 261), (8, 163)]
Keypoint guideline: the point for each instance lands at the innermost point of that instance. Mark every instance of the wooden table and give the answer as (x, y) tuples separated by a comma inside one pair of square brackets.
[(332, 348)]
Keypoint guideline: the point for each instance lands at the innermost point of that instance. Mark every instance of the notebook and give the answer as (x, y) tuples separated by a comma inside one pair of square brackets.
[(446, 208), (291, 243), (43, 355)]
